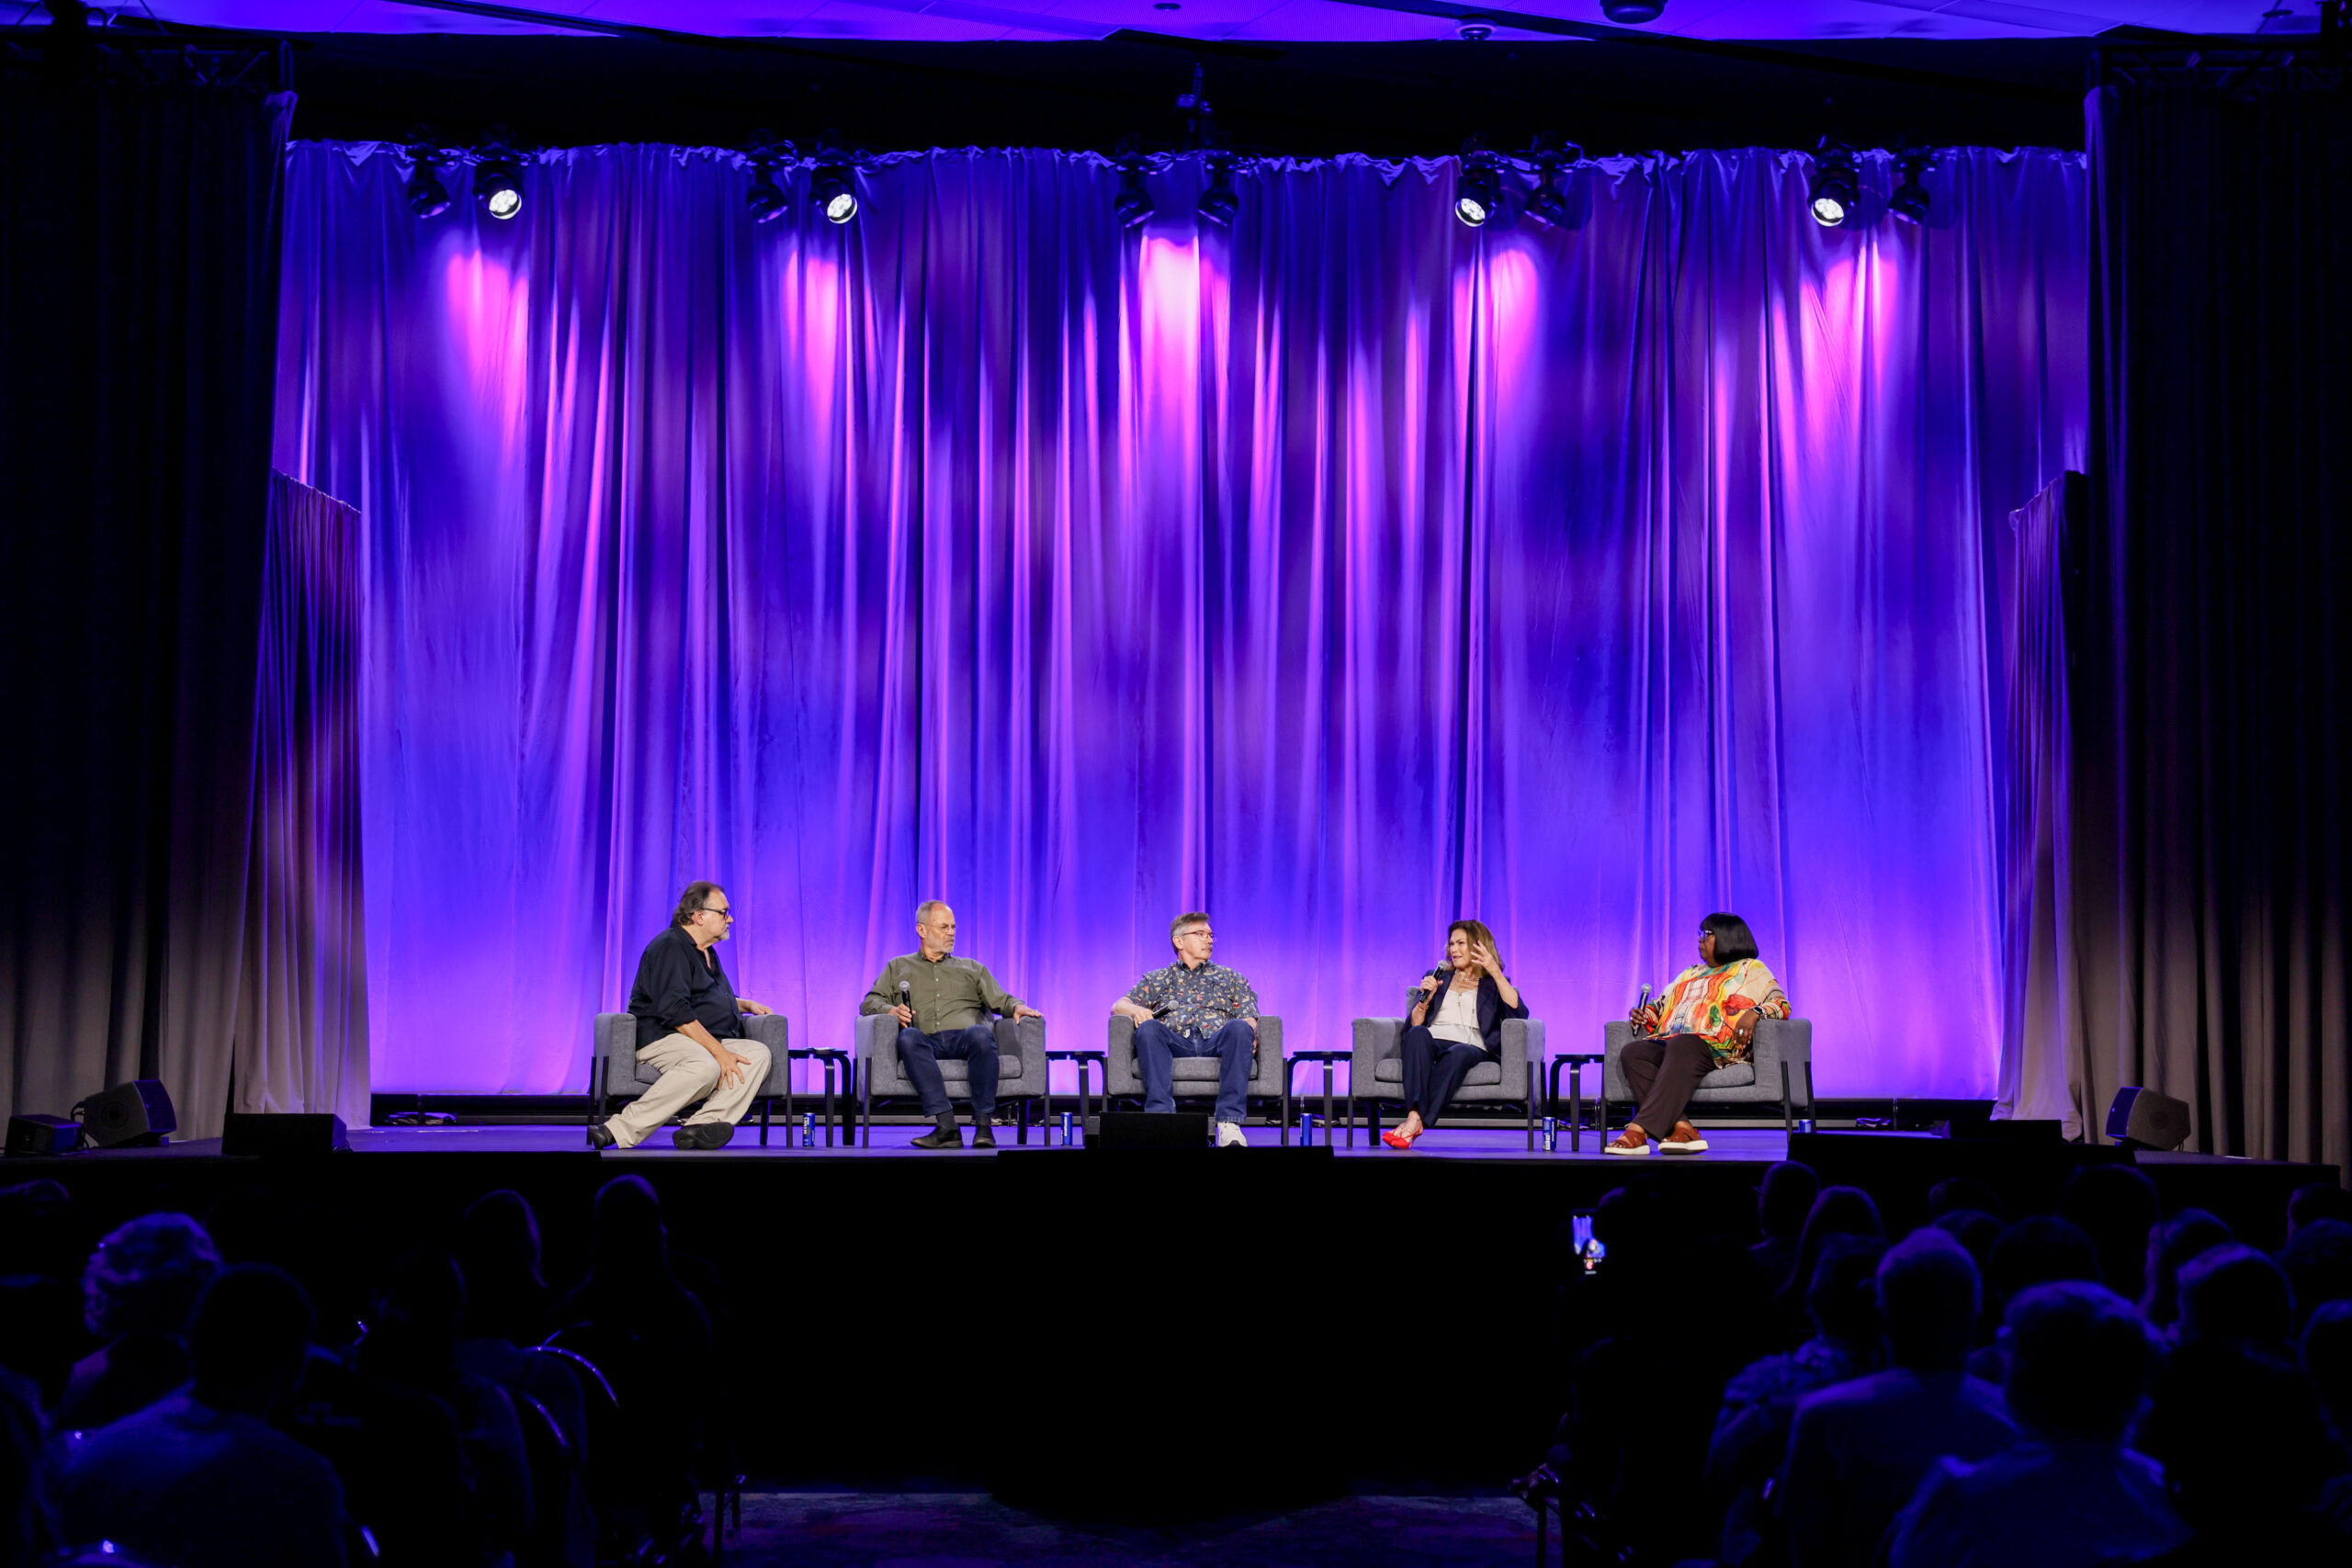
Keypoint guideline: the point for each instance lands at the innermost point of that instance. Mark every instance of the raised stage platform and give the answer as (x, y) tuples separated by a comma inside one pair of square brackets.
[(903, 1314)]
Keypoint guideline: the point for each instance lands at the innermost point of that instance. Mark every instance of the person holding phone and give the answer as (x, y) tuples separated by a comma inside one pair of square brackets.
[(1706, 1019), (1456, 1024)]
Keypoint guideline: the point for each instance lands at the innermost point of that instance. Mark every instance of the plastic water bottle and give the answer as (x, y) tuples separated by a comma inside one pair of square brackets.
[(1551, 1134)]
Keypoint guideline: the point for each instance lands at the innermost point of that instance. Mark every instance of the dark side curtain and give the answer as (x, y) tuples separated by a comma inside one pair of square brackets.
[(138, 244), (301, 1038), (2210, 764), (1338, 572)]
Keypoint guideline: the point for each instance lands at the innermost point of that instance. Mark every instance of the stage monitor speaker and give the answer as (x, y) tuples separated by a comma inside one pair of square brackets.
[(2147, 1120), (278, 1133), (43, 1135), (128, 1115), (1944, 1118), (1149, 1130)]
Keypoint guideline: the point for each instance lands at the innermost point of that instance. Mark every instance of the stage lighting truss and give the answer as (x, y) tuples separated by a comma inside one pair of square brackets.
[(498, 181), (1836, 190), (1551, 155), (427, 197), (1132, 206), (1479, 192), (1218, 204), (1910, 201)]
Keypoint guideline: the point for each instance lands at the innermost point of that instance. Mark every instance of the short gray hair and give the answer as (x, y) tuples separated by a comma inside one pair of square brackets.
[(1194, 918), (923, 910)]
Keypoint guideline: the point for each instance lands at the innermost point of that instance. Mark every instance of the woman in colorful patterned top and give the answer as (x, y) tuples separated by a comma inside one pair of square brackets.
[(1706, 1019)]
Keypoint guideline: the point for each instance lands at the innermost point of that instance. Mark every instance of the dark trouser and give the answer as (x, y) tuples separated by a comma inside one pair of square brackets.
[(919, 1054), (1662, 1071), (1434, 1068), (1157, 1046)]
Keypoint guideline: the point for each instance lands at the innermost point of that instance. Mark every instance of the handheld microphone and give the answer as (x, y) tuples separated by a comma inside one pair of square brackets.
[(906, 996), (1415, 996), (1644, 999)]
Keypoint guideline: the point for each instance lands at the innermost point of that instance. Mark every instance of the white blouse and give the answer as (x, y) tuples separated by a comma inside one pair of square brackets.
[(1457, 1016)]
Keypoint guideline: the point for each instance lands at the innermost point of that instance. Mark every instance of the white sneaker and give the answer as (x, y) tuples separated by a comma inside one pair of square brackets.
[(1229, 1136)]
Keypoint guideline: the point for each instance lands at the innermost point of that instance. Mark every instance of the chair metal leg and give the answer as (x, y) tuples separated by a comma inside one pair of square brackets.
[(1788, 1116), (1576, 1109), (1021, 1132), (829, 1104), (1285, 1133), (865, 1109), (1352, 1109), (765, 1101)]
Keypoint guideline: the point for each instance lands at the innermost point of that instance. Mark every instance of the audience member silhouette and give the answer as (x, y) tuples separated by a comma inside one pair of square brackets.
[(2317, 1261), (23, 1542), (2327, 1360), (498, 1251), (139, 1292), (1839, 1210), (48, 1238), (1782, 1200), (2318, 1200), (2170, 1246), (1857, 1451), (2039, 1249), (2116, 1205), (1978, 1233), (201, 1480), (1965, 1194), (2232, 1292), (1752, 1426), (2246, 1453), (2070, 1492)]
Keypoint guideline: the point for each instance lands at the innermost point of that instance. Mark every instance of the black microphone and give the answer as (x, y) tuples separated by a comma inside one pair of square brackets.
[(1415, 997), (906, 999)]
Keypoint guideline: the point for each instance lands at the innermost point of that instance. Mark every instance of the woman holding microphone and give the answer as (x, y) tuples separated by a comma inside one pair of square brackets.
[(1706, 1019), (1456, 1024)]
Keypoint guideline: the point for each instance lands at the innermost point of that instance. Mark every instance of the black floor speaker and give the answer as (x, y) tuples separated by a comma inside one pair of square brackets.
[(43, 1135), (283, 1134), (128, 1115), (1150, 1130)]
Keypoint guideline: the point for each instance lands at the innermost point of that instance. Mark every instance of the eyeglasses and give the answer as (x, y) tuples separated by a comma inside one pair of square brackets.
[(707, 909)]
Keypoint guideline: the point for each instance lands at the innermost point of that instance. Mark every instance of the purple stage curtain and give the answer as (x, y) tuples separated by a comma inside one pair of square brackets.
[(301, 1035), (1336, 573)]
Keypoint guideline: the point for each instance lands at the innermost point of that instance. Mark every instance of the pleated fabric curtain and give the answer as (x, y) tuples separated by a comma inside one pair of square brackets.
[(301, 1034), (1338, 572)]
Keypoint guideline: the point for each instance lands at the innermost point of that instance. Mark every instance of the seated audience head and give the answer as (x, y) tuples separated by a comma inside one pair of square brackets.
[(1977, 1233), (2116, 1205), (2039, 1249), (2170, 1246), (1843, 1296), (1930, 1294), (2317, 1200), (2239, 1433), (2232, 1292), (252, 1330), (1839, 1210), (498, 1251), (2327, 1357), (630, 1239), (1958, 1193), (2079, 1359), (47, 1232), (2318, 1262), (145, 1277), (1785, 1198)]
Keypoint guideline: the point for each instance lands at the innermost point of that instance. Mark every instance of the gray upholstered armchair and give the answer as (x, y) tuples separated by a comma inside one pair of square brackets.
[(1020, 1069), (1778, 1069), (1376, 1071), (615, 1073), (1195, 1076)]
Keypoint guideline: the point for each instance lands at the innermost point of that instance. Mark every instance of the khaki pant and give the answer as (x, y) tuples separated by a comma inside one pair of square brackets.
[(689, 1073)]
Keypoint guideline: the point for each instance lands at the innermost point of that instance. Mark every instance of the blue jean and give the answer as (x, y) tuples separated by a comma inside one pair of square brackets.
[(1157, 1046), (920, 1055)]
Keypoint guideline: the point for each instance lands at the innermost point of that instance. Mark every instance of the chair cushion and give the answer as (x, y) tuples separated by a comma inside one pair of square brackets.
[(1197, 1069), (1739, 1074), (1393, 1071), (957, 1069)]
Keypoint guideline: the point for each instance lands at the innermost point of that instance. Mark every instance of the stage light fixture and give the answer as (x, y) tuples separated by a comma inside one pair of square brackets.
[(1218, 204), (834, 192), (1479, 194), (765, 198), (1551, 154), (1630, 13), (1835, 191), (427, 197), (1909, 201), (1133, 204), (498, 185)]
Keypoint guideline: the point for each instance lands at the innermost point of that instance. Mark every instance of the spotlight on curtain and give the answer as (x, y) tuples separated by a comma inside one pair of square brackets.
[(1549, 154), (498, 183), (1909, 201), (1133, 204), (1218, 204), (1479, 195), (1835, 190), (835, 196), (427, 197), (765, 198)]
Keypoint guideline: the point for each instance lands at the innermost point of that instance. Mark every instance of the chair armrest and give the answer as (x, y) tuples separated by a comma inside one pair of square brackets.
[(1783, 1041), (1267, 1068), (1522, 1042), (616, 1051), (1023, 1040), (1613, 1041), (1372, 1042), (1119, 1074), (772, 1030)]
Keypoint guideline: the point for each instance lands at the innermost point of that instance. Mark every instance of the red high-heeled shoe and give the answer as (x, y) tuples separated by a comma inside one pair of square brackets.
[(1396, 1140)]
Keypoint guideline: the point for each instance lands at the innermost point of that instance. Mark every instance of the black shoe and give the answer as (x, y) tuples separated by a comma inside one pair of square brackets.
[(600, 1137), (983, 1136), (941, 1138), (703, 1135)]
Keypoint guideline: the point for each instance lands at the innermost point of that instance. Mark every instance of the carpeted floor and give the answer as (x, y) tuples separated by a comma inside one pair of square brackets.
[(957, 1529)]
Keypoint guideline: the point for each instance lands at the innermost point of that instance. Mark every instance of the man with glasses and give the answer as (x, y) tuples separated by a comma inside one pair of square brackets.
[(690, 1028), (1194, 1008), (943, 1005)]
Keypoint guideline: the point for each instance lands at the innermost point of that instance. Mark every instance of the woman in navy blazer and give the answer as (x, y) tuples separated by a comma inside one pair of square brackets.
[(1458, 1024)]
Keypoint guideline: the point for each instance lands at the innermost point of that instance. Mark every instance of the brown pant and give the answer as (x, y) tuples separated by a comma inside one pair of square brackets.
[(1663, 1070)]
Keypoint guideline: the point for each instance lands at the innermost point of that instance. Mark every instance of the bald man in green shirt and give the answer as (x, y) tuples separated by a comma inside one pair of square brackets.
[(944, 1005)]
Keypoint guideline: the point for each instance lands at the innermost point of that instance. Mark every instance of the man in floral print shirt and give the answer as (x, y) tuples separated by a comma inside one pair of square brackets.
[(1194, 1008)]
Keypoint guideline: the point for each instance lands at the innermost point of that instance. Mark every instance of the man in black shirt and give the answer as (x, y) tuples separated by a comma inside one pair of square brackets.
[(690, 1027)]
